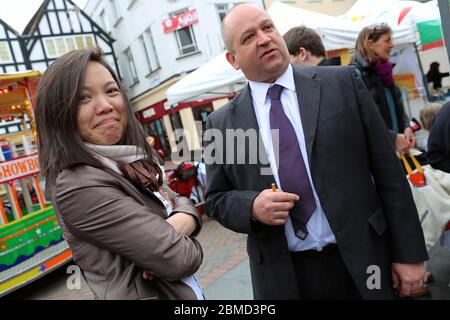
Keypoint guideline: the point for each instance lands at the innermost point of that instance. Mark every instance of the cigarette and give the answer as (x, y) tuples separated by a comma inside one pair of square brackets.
[(274, 187)]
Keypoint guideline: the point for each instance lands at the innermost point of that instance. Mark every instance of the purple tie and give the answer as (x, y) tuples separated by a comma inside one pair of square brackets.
[(291, 167)]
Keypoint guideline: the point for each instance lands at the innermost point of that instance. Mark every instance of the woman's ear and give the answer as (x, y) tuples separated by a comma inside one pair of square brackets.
[(371, 44)]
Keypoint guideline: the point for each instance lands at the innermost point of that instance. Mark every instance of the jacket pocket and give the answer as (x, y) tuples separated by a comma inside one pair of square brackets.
[(378, 222)]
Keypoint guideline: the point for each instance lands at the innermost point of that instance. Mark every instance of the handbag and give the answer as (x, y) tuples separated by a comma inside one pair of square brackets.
[(431, 192)]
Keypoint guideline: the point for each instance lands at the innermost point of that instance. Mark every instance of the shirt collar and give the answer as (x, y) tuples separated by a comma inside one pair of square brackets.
[(259, 89)]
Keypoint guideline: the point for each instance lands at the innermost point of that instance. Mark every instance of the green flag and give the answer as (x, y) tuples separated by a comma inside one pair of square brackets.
[(430, 33)]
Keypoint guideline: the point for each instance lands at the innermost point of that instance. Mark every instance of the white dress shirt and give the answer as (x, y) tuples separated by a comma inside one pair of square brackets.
[(320, 234)]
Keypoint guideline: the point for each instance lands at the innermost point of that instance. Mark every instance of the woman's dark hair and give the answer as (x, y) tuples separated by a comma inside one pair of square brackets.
[(58, 97)]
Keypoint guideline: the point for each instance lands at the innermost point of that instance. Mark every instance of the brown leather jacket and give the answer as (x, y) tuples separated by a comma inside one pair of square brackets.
[(116, 231)]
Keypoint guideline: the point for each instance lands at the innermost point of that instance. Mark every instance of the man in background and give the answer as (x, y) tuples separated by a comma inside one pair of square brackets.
[(306, 48)]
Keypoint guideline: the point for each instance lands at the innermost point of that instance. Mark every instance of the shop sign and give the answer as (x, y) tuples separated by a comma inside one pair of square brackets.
[(180, 21), (15, 169)]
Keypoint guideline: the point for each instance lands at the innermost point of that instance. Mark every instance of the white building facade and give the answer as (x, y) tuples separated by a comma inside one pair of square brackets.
[(157, 42)]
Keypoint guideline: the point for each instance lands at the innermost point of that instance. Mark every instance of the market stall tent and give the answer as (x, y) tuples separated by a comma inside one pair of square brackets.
[(336, 32), (422, 19), (216, 78)]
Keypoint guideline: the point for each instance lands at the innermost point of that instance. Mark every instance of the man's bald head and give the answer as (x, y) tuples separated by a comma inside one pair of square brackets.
[(226, 35), (254, 45)]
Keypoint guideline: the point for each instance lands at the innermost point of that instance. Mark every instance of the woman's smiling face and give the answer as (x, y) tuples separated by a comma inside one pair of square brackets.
[(101, 115)]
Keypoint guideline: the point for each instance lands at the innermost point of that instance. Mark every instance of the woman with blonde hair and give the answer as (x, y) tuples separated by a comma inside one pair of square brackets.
[(373, 50)]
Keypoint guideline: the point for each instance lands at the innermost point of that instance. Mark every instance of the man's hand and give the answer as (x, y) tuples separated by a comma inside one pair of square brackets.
[(272, 208), (402, 144), (409, 279), (409, 135)]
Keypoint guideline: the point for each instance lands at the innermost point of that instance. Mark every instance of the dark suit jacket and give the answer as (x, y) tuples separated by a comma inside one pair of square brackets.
[(438, 154), (356, 174), (116, 231)]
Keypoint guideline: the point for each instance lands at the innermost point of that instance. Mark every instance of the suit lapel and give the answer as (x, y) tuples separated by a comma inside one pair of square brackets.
[(308, 95), (244, 117)]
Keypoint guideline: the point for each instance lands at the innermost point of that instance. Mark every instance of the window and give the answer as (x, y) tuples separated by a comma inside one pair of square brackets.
[(80, 42), (185, 39), (175, 120), (5, 55), (89, 41), (51, 49), (132, 66), (13, 129), (201, 114), (157, 130), (104, 21), (222, 10), (56, 47), (148, 45), (70, 42), (60, 46)]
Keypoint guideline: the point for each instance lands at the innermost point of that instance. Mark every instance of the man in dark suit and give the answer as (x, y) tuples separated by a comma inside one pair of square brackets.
[(438, 154), (342, 223)]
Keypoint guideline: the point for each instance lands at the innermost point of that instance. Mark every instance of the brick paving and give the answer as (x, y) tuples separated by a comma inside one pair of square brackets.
[(223, 250)]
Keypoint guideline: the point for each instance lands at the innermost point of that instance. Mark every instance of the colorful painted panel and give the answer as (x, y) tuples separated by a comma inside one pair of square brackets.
[(24, 238)]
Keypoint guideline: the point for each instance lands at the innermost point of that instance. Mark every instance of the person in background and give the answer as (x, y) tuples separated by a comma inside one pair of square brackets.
[(132, 237), (435, 76), (427, 115), (306, 48), (438, 154), (373, 49)]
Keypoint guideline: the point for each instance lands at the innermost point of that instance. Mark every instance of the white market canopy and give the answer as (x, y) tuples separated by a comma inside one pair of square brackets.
[(217, 78), (336, 32), (392, 12)]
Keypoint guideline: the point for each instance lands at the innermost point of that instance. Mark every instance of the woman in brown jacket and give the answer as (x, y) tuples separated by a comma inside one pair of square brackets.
[(131, 236)]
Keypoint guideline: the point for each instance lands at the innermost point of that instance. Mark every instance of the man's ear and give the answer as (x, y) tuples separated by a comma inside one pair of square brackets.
[(232, 60), (303, 53)]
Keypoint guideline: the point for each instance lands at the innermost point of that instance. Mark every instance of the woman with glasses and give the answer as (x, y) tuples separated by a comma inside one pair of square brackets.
[(373, 50)]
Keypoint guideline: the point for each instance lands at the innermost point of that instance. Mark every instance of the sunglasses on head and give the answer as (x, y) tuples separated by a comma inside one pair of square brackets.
[(378, 29)]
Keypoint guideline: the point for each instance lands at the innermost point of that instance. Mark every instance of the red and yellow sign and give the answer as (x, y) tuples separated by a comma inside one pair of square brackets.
[(18, 168)]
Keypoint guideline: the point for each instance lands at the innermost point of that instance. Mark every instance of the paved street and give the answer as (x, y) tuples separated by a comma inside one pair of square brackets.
[(224, 273)]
